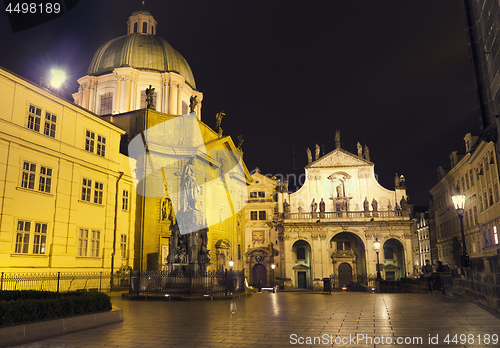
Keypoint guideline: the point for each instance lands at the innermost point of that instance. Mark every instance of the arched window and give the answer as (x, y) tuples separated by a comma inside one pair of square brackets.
[(135, 27), (145, 28)]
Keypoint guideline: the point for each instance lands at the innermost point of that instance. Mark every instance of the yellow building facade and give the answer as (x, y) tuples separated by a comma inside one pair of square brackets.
[(66, 194)]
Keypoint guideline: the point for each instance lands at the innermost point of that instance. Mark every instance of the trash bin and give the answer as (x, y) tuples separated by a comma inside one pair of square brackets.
[(327, 285)]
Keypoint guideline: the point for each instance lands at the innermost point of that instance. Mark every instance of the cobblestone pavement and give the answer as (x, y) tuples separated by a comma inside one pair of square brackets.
[(280, 320)]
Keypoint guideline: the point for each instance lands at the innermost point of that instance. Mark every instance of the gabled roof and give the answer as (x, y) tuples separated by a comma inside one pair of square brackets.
[(339, 158)]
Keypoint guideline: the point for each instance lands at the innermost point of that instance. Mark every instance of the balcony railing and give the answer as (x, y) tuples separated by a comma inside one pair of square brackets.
[(350, 215)]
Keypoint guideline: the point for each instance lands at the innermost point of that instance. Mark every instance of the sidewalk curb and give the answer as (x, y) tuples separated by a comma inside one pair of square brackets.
[(133, 297), (35, 331)]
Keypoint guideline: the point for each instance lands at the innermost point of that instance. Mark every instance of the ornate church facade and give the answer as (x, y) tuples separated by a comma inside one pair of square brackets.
[(327, 228)]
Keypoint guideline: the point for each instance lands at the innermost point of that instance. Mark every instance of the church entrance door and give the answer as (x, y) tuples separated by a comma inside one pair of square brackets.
[(259, 272), (345, 274), (301, 280)]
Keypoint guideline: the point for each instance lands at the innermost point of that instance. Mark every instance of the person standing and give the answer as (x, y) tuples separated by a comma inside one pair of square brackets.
[(429, 275)]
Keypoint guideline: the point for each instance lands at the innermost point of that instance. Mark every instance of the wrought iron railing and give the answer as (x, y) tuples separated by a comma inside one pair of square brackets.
[(366, 280), (178, 283), (63, 282)]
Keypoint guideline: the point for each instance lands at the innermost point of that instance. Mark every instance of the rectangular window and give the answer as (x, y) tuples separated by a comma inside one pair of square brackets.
[(101, 146), (475, 215), (86, 190), (301, 253), (50, 125), (467, 180), (480, 203), (253, 215), (28, 177), (39, 238), (239, 252), (253, 194), (125, 200), (490, 193), (466, 219), (98, 190), (471, 178), (123, 246), (22, 237), (106, 103), (496, 192), (495, 235), (45, 181), (262, 215), (89, 141), (83, 241), (262, 194), (34, 117), (485, 200), (463, 185), (388, 253), (94, 243)]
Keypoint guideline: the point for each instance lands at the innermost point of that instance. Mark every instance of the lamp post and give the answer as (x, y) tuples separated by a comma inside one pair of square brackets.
[(459, 203), (231, 264), (273, 266), (376, 245)]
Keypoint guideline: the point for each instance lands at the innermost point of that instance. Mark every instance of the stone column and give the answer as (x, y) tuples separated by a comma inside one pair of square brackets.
[(164, 99), (127, 94), (179, 100), (172, 105), (118, 95), (198, 110)]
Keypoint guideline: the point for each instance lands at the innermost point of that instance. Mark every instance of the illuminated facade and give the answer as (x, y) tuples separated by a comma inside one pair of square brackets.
[(327, 228), (476, 174), (124, 67), (261, 238), (66, 193), (123, 72)]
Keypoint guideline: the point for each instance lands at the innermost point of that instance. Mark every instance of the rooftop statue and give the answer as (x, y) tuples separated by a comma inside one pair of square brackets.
[(193, 102)]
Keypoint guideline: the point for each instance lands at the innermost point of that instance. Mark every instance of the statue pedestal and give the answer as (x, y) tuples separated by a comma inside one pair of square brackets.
[(190, 221)]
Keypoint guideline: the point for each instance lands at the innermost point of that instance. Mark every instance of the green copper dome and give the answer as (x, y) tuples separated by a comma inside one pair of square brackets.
[(140, 51)]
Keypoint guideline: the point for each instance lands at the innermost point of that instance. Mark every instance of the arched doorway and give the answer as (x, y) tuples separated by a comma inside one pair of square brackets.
[(348, 258), (345, 274), (301, 253), (259, 273), (394, 263)]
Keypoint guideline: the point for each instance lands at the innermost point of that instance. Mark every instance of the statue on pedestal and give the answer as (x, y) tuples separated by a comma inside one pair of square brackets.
[(218, 123), (367, 153), (337, 139), (402, 203), (374, 205), (309, 156), (322, 208), (314, 206), (360, 150), (316, 155), (149, 97), (366, 204), (193, 102), (189, 187)]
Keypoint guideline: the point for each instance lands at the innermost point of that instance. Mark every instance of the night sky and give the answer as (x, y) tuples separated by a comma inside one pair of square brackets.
[(393, 75)]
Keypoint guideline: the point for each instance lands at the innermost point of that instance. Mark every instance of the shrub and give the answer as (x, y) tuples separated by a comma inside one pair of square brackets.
[(23, 306)]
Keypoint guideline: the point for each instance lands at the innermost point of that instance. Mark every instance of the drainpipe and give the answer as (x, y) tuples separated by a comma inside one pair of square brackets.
[(114, 231)]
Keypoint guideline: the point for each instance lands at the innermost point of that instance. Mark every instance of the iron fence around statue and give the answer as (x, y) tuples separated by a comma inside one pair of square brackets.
[(63, 282), (179, 283), (366, 280)]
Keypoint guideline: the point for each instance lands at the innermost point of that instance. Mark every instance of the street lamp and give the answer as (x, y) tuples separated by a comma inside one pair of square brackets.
[(459, 203), (231, 264), (273, 266), (376, 245)]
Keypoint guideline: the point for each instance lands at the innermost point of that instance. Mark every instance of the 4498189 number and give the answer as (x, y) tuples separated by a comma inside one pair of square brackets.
[(471, 339), (33, 7)]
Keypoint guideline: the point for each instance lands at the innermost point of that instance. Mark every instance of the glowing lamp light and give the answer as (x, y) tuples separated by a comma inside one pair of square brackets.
[(273, 266), (58, 77), (376, 245), (231, 263), (458, 201)]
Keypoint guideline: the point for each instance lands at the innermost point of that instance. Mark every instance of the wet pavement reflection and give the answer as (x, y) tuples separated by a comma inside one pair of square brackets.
[(294, 319)]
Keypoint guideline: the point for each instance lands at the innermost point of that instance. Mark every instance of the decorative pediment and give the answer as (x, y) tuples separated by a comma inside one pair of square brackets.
[(343, 254), (339, 158)]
